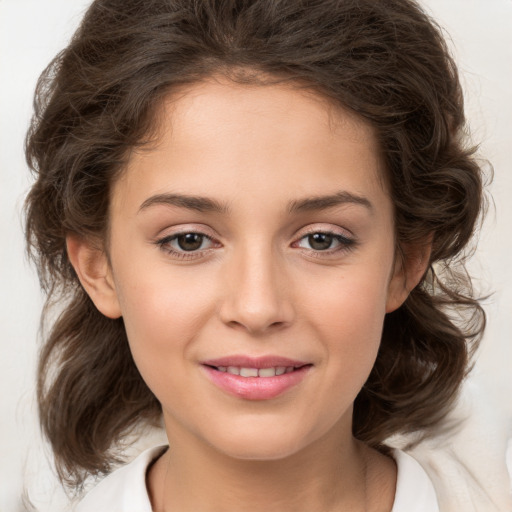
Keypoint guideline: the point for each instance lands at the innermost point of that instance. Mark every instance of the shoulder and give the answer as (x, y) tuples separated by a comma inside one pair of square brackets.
[(414, 489), (465, 455), (124, 490)]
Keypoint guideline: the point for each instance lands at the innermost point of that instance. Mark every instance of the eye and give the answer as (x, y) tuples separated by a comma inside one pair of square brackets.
[(186, 244), (189, 242), (325, 242), (319, 241)]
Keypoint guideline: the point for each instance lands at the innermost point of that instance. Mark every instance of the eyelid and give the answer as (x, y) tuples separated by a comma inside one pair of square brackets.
[(326, 228), (183, 229), (163, 242), (346, 239)]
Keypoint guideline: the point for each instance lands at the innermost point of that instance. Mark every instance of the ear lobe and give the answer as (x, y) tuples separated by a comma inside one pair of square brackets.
[(407, 273), (93, 270)]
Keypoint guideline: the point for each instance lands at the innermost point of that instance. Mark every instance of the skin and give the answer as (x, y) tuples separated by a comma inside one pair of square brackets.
[(258, 287)]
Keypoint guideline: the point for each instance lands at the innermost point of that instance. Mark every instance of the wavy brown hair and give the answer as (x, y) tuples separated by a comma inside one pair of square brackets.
[(385, 60)]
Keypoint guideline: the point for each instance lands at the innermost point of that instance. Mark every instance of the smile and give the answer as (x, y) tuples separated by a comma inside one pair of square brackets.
[(256, 378), (255, 372)]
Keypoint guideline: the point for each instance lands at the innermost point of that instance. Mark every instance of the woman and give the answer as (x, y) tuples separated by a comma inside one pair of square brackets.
[(247, 205)]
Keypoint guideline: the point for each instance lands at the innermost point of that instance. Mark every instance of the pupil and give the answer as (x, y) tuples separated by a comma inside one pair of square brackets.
[(320, 241), (190, 241)]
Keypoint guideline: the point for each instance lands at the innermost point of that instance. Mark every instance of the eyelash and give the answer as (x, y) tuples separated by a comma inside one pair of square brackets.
[(164, 244), (345, 244)]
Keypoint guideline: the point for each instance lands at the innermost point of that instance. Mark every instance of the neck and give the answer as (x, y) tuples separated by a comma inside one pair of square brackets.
[(328, 475)]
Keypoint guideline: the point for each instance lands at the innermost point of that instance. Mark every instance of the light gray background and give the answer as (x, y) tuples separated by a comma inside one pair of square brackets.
[(33, 31)]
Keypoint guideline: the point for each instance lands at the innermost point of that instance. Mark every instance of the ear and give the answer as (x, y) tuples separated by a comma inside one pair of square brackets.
[(92, 268), (410, 266)]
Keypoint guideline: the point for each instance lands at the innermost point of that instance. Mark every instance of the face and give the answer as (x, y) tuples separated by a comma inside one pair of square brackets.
[(255, 237)]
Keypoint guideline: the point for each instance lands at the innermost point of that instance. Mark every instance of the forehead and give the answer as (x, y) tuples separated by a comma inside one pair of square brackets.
[(311, 113), (257, 136)]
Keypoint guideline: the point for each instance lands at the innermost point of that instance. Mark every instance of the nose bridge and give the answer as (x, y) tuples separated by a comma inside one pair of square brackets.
[(257, 293)]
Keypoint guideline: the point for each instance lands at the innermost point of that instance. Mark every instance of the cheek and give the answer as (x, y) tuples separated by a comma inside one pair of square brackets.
[(348, 314), (160, 300), (162, 315)]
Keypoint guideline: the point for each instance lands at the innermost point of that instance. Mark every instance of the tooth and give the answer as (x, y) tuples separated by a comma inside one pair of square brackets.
[(267, 372), (280, 370), (222, 368), (248, 372), (233, 370), (289, 369)]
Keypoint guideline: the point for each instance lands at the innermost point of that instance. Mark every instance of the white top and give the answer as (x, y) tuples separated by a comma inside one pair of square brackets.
[(125, 490)]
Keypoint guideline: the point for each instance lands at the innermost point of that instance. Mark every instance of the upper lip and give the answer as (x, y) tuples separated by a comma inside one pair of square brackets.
[(242, 361)]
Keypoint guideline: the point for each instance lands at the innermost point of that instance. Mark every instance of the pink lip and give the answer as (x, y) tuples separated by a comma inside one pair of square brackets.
[(255, 388)]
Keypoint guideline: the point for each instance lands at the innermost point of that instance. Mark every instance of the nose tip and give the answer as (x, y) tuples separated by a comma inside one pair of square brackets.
[(256, 320)]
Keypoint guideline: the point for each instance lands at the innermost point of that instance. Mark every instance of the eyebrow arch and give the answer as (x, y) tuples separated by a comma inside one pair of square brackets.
[(324, 202), (198, 203), (205, 204)]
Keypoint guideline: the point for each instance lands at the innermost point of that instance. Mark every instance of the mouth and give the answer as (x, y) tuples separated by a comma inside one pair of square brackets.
[(256, 378), (272, 371)]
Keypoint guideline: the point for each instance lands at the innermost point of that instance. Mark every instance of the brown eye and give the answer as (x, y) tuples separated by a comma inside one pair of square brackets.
[(320, 241), (190, 241), (188, 244), (325, 241)]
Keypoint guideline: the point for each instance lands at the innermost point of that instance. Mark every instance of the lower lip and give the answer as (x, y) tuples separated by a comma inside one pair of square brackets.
[(256, 388)]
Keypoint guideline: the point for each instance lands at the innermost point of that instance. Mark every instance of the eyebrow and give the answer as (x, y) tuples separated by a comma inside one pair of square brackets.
[(330, 201), (206, 204), (197, 203)]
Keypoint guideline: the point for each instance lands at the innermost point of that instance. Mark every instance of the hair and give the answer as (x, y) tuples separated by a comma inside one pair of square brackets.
[(385, 60)]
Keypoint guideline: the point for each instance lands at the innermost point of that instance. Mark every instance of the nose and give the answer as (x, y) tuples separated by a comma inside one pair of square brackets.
[(257, 293)]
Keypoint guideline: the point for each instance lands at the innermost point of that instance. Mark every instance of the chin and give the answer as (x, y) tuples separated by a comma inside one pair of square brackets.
[(261, 451), (263, 442)]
